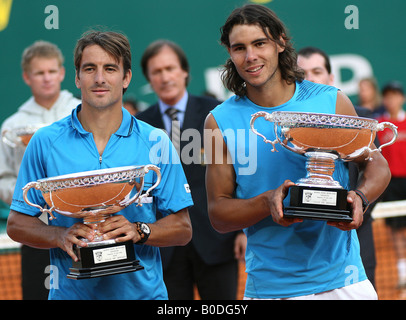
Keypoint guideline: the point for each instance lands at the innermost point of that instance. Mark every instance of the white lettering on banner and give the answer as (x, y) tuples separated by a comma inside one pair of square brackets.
[(359, 66), (52, 21), (214, 85), (352, 20)]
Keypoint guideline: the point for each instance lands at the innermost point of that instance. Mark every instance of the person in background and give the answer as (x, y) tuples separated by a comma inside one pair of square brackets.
[(208, 261), (285, 257), (369, 96), (317, 68), (43, 71), (316, 65), (393, 98)]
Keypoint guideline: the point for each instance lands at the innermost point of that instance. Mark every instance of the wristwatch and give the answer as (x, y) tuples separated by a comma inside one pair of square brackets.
[(144, 231)]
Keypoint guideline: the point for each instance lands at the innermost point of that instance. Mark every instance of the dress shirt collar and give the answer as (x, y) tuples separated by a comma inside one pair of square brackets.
[(180, 105)]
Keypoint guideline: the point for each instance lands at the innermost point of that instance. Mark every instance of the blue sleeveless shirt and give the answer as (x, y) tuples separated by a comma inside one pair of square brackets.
[(304, 258)]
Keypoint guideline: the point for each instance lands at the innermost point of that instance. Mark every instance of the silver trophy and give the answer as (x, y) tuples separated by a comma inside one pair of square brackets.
[(20, 136), (94, 196), (323, 139)]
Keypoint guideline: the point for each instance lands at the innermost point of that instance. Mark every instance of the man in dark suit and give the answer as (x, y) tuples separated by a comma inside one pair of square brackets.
[(208, 261)]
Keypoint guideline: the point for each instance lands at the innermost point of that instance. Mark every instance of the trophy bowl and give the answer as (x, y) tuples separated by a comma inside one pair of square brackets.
[(20, 136), (94, 196), (323, 139)]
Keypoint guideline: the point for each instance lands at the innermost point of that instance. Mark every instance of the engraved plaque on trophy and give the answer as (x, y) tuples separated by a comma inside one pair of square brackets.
[(323, 139), (93, 196)]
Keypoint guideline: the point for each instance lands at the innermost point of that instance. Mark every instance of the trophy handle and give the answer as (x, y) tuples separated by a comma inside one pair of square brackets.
[(35, 185), (158, 173), (383, 126), (6, 139), (146, 194), (267, 117), (158, 181), (27, 187)]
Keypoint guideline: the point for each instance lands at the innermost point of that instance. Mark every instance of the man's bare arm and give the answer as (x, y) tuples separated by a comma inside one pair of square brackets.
[(226, 212), (172, 230), (32, 232)]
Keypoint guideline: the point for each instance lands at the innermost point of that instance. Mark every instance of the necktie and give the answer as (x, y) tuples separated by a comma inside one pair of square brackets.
[(175, 127)]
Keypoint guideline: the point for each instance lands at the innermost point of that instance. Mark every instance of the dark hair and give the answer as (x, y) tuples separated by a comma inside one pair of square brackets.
[(155, 47), (308, 51), (394, 86), (116, 44), (274, 29)]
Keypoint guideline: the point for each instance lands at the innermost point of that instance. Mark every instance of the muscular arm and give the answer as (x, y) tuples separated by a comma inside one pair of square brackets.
[(31, 231), (172, 230), (227, 213)]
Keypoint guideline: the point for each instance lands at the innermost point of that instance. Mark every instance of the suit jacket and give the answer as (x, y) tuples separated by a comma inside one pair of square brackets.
[(212, 246)]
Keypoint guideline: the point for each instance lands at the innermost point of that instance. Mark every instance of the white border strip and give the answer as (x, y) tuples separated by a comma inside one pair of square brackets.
[(389, 209), (7, 243)]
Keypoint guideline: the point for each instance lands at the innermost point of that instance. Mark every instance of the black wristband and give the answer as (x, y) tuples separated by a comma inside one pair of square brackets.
[(365, 202)]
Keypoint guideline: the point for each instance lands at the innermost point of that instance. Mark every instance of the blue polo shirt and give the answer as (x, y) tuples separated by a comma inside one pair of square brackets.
[(65, 147)]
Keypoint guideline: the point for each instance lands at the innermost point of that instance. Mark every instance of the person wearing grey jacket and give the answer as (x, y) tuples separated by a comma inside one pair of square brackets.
[(43, 72)]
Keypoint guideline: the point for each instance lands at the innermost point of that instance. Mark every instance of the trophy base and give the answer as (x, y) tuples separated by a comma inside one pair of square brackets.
[(313, 214), (104, 258), (88, 273), (316, 203)]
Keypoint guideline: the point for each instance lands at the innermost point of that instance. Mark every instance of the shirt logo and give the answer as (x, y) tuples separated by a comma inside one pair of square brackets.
[(187, 188)]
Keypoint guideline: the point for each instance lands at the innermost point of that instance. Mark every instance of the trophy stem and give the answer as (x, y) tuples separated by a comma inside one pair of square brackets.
[(103, 257), (320, 168), (96, 220), (318, 196)]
